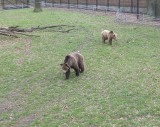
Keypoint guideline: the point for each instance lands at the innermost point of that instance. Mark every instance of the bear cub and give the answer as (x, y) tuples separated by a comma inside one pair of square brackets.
[(73, 61), (106, 34)]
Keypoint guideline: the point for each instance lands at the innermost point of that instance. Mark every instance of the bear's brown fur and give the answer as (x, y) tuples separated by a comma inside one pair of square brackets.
[(75, 61), (106, 34)]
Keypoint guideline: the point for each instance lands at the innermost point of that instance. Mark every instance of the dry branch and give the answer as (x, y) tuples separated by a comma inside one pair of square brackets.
[(64, 31), (7, 33), (16, 30), (51, 26)]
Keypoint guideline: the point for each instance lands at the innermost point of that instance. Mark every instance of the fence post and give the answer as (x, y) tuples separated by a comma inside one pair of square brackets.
[(107, 5), (68, 3), (137, 9), (96, 4), (27, 2), (45, 3), (131, 6), (87, 4), (52, 3), (119, 4), (77, 3), (155, 4)]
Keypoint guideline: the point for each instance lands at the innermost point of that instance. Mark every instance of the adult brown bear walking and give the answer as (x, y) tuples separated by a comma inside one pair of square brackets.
[(106, 34), (75, 61)]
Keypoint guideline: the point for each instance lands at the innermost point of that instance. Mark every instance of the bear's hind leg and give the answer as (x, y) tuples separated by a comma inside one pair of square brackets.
[(81, 67)]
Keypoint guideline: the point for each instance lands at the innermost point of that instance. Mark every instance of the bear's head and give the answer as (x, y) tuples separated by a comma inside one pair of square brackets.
[(65, 67), (113, 35)]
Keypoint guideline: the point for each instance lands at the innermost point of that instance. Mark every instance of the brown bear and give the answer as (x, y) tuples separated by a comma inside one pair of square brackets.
[(106, 34), (75, 61)]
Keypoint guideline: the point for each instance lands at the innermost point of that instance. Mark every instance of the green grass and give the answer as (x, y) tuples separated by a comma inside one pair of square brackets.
[(119, 87)]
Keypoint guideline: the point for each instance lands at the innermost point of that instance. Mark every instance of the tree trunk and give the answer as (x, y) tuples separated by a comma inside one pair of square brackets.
[(37, 6), (153, 7)]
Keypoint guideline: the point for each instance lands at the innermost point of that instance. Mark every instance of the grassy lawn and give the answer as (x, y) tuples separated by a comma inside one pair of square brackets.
[(120, 86)]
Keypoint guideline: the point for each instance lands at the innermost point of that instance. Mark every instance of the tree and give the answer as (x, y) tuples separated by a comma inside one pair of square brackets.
[(37, 6), (153, 7)]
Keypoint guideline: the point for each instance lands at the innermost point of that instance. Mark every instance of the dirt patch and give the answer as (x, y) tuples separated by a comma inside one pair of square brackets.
[(8, 42), (5, 43), (5, 106), (26, 120), (82, 45), (25, 48)]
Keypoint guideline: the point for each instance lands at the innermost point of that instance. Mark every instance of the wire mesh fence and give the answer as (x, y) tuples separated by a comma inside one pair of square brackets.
[(131, 6), (10, 4), (124, 10)]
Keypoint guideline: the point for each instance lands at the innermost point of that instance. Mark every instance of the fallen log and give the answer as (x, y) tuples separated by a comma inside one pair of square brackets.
[(6, 33), (16, 30)]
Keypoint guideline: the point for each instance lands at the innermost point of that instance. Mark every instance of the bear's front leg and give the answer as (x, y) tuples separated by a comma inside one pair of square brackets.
[(67, 74), (77, 72), (110, 41), (103, 39)]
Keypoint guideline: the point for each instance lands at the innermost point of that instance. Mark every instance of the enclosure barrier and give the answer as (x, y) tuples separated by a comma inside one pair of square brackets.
[(138, 7), (14, 4)]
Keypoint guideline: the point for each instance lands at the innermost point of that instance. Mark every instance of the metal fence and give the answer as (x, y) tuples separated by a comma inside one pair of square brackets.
[(10, 4), (131, 6), (124, 6)]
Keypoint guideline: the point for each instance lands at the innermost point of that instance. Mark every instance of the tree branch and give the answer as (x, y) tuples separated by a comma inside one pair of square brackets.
[(16, 30)]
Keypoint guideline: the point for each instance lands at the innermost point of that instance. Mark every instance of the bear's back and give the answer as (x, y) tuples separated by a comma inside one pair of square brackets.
[(105, 33), (77, 56)]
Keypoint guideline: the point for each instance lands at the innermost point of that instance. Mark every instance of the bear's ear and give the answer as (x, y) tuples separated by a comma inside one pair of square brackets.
[(67, 57), (111, 31)]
